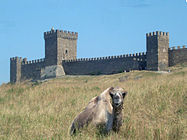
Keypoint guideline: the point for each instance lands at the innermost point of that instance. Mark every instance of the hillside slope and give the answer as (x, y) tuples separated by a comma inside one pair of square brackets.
[(155, 107)]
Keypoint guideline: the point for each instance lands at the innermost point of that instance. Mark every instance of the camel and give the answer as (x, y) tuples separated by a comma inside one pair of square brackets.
[(103, 110)]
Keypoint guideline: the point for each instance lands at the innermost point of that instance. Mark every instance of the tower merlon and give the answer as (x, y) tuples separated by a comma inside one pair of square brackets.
[(16, 58), (24, 60)]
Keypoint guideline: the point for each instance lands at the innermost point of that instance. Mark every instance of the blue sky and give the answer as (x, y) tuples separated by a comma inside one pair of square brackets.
[(105, 27)]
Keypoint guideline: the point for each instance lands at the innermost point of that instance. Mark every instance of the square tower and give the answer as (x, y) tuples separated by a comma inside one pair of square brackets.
[(60, 45), (157, 45), (15, 69)]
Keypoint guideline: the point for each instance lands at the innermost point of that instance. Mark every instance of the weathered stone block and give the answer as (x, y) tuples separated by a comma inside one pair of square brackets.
[(52, 71)]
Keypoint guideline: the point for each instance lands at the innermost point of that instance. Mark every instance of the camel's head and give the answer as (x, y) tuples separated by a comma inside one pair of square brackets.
[(117, 94)]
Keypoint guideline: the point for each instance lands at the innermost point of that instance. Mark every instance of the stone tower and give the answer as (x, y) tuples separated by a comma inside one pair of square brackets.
[(15, 69), (157, 45), (60, 45)]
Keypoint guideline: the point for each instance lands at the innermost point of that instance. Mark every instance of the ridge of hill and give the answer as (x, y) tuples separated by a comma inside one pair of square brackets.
[(155, 107)]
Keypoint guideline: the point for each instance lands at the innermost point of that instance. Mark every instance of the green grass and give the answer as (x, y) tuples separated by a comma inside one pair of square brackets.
[(154, 109)]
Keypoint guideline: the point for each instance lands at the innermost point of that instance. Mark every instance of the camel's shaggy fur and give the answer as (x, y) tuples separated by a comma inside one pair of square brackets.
[(105, 109)]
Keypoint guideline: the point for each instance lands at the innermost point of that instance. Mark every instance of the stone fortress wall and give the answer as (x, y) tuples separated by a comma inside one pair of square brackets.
[(105, 65), (177, 55), (61, 58), (22, 69)]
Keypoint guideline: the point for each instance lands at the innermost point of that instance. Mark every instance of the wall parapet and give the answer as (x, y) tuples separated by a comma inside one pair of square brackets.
[(178, 47), (136, 55), (157, 33), (33, 61), (61, 34), (177, 55)]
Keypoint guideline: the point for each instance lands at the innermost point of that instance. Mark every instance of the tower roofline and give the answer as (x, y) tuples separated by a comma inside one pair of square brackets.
[(157, 33), (61, 34)]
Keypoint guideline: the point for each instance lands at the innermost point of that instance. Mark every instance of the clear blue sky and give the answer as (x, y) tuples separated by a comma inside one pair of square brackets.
[(105, 27)]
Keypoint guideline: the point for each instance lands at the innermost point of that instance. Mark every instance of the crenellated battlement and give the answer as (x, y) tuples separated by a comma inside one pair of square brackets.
[(25, 62), (157, 33), (61, 34), (135, 55), (178, 47)]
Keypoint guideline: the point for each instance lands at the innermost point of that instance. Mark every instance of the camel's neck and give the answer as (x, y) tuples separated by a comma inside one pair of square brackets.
[(118, 110), (117, 121)]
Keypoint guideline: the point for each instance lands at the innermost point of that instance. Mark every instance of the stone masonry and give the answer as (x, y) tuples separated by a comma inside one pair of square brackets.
[(61, 58)]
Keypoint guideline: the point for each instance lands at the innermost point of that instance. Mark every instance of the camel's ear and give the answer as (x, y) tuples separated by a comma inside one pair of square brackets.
[(124, 94), (111, 88), (110, 92)]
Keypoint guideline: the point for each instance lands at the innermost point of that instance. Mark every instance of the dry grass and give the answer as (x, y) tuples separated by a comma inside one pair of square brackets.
[(155, 107)]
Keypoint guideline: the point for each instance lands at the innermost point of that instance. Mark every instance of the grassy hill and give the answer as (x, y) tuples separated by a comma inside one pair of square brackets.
[(155, 107)]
